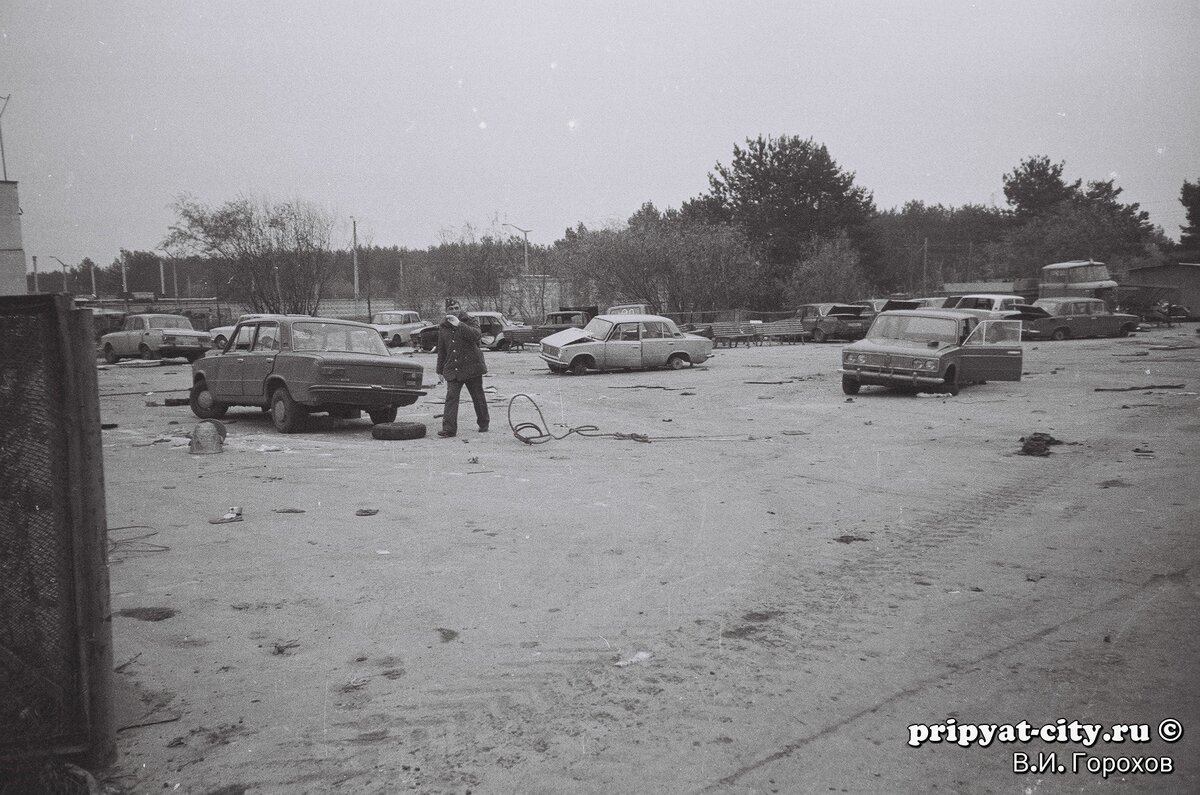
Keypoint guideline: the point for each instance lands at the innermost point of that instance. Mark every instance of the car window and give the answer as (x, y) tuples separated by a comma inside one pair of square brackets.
[(996, 332), (268, 337), (653, 331), (245, 336), (625, 332)]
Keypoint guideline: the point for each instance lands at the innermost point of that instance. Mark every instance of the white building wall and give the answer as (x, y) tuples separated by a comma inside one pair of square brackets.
[(12, 251)]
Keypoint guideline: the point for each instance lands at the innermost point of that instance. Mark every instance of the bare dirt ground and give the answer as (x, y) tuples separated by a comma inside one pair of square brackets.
[(763, 598)]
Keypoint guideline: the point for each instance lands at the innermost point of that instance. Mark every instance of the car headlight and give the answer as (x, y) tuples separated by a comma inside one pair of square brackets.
[(931, 364)]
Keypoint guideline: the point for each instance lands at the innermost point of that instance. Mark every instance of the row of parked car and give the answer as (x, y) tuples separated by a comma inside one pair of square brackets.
[(293, 365)]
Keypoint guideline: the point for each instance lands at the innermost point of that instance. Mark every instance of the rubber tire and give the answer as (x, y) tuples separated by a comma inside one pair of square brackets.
[(818, 335), (145, 352), (578, 366), (286, 414), (110, 355), (951, 386), (558, 368), (205, 409), (398, 431), (219, 343), (1124, 331), (677, 361), (850, 385), (382, 416), (504, 345), (1059, 334), (428, 346), (397, 341)]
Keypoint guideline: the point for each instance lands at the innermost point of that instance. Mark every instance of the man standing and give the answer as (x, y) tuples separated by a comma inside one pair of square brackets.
[(459, 362)]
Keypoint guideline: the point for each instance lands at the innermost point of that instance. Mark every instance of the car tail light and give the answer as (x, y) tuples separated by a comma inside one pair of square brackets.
[(334, 373)]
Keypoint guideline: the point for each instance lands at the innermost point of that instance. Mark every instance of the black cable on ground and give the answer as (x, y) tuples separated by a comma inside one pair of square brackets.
[(532, 433)]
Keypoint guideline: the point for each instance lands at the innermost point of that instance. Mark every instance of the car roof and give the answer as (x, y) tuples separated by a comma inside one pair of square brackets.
[(622, 318), (989, 295), (958, 314)]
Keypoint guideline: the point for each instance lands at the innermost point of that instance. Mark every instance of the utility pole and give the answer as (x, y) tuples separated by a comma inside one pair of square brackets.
[(35, 278), (3, 162), (162, 279), (354, 253)]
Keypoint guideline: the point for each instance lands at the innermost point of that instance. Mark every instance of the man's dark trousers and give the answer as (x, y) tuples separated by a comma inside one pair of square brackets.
[(450, 410)]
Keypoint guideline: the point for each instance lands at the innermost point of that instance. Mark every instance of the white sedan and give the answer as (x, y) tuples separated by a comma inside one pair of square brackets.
[(619, 342)]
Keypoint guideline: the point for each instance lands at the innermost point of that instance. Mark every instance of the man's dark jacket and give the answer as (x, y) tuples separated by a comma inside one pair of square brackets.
[(459, 356)]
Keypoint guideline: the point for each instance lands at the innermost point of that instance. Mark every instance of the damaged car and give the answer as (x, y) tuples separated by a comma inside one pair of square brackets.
[(1063, 318), (155, 337), (618, 342), (933, 350), (296, 366), (823, 322)]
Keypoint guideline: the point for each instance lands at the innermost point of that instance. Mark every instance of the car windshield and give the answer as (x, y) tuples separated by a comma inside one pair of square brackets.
[(598, 328), (1052, 307), (168, 321), (915, 328), (336, 337)]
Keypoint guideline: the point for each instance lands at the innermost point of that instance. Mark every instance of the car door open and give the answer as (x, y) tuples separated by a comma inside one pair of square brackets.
[(992, 352)]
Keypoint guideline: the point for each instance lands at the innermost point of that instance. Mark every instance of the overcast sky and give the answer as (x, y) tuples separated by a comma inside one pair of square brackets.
[(421, 118)]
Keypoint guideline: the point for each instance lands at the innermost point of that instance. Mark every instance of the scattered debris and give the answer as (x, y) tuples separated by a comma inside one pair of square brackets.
[(234, 514), (1115, 482), (366, 512), (147, 614), (284, 646), (640, 657), (356, 683), (108, 426), (270, 448), (1038, 444), (289, 510), (207, 437), (447, 634), (176, 402), (1136, 388), (849, 539), (1034, 577)]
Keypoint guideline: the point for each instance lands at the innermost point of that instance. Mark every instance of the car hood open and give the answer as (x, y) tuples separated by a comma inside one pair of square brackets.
[(567, 336)]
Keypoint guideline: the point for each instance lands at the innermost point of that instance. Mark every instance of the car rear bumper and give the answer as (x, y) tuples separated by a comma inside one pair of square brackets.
[(881, 376), (359, 395), (172, 351)]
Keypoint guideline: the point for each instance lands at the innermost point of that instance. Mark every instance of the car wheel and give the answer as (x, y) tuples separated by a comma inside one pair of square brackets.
[(950, 382), (677, 361), (1059, 334), (395, 431), (286, 414), (557, 368), (397, 341), (504, 345), (203, 405), (427, 346), (380, 416), (1125, 330), (110, 355), (850, 385), (145, 352), (219, 343), (579, 366), (819, 335)]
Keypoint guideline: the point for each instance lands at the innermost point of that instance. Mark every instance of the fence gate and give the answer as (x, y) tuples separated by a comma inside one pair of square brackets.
[(55, 631)]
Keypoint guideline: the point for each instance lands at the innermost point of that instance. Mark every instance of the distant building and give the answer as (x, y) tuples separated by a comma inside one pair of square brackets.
[(12, 251), (1182, 276)]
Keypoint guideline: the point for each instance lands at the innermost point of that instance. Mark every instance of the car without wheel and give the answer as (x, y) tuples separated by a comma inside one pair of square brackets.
[(1062, 318), (296, 366), (495, 330), (155, 337), (933, 350), (618, 342)]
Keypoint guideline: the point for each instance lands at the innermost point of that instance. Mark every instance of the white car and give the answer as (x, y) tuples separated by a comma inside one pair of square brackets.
[(397, 326), (154, 337), (617, 342), (997, 305), (221, 334)]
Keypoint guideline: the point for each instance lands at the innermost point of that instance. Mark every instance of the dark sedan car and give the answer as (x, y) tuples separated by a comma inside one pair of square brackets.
[(833, 321), (295, 366)]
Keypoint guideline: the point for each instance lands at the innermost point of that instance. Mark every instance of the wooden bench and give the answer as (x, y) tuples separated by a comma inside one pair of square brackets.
[(525, 335), (788, 330), (733, 334)]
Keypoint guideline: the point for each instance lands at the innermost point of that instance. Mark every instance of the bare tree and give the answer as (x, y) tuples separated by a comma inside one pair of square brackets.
[(275, 254)]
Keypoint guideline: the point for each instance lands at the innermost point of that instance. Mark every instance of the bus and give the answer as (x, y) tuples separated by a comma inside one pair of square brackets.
[(1082, 278)]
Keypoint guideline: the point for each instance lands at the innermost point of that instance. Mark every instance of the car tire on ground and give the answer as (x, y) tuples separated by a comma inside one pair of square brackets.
[(110, 355), (397, 341), (286, 414), (398, 431), (203, 405), (381, 416), (951, 386), (145, 352), (557, 368), (1059, 334), (850, 385), (219, 343), (504, 345), (818, 335), (677, 361), (579, 366)]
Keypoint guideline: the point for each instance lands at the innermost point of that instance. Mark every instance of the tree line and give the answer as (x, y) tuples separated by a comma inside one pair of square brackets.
[(781, 224)]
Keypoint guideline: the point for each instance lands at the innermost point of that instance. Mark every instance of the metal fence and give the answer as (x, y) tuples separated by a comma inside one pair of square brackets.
[(55, 635)]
